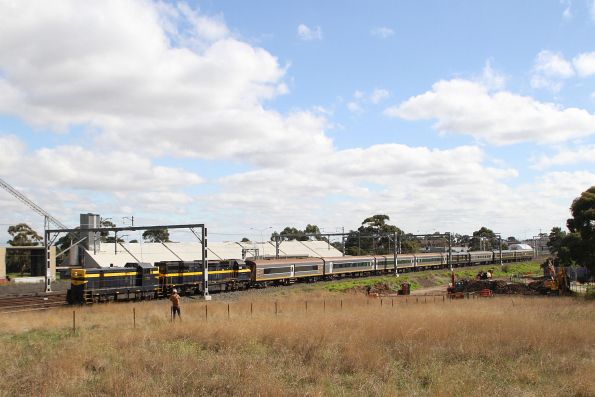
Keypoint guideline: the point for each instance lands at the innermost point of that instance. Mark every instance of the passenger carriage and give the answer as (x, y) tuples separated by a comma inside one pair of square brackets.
[(481, 257), (460, 258), (344, 265), (285, 271), (430, 260)]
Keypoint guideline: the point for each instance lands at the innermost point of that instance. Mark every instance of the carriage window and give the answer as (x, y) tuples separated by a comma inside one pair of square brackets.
[(307, 268), (273, 270)]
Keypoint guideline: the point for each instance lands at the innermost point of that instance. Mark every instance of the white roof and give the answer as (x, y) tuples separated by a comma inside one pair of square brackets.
[(156, 252), (516, 247)]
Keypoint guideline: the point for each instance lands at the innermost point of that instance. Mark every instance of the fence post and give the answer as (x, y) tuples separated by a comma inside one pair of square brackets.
[(228, 311), (134, 317), (392, 302), (206, 312), (341, 304), (276, 308), (74, 321), (306, 306), (380, 302), (251, 310), (324, 305)]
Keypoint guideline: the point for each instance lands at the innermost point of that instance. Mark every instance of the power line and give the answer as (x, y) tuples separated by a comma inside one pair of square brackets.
[(31, 204)]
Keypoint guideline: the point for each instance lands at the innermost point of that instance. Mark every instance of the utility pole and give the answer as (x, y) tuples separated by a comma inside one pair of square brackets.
[(343, 239), (500, 241), (449, 249), (395, 253)]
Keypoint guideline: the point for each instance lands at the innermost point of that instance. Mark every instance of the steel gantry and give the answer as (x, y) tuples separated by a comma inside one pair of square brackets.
[(394, 237), (52, 234)]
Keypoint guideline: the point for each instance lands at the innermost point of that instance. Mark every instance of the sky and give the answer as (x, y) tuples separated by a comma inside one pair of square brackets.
[(252, 116)]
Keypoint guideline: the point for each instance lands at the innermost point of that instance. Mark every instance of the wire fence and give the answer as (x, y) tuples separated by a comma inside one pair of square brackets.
[(139, 315)]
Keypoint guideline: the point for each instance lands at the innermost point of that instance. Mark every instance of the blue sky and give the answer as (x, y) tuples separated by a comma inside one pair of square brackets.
[(446, 116)]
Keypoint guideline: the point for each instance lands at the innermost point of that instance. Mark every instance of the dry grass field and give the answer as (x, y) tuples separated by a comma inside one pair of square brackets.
[(342, 345)]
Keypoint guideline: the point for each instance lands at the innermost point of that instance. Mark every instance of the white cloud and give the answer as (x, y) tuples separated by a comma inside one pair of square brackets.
[(354, 107), (567, 13), (122, 70), (565, 156), (539, 81), (585, 63), (378, 95), (382, 32), (149, 79), (82, 169), (309, 34), (466, 107), (360, 99), (491, 78), (11, 152), (398, 180), (549, 70), (553, 64)]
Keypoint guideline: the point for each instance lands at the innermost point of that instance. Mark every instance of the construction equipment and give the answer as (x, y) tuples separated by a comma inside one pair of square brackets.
[(456, 289), (556, 280)]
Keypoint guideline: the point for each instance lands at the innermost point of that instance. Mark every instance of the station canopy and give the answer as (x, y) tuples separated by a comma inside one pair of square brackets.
[(111, 255)]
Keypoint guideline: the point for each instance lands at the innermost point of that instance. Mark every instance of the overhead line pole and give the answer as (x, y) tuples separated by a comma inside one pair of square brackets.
[(190, 226)]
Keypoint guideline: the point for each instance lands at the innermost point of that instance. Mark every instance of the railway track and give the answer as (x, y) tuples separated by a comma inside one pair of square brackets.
[(27, 303)]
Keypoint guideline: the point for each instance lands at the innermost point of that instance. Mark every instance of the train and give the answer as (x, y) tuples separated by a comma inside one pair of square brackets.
[(153, 281)]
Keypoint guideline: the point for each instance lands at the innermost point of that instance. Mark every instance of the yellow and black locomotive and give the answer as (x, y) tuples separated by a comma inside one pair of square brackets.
[(145, 281)]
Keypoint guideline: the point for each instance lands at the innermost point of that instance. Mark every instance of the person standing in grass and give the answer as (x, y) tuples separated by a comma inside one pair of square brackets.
[(175, 305)]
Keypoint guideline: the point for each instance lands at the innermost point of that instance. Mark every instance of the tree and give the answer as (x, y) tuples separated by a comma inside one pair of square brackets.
[(156, 236), (22, 236), (315, 230), (292, 233), (483, 239), (579, 244), (103, 236), (375, 236), (65, 242), (556, 239), (460, 239)]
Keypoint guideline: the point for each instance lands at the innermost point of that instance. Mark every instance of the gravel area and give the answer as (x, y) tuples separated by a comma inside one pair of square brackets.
[(13, 289)]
